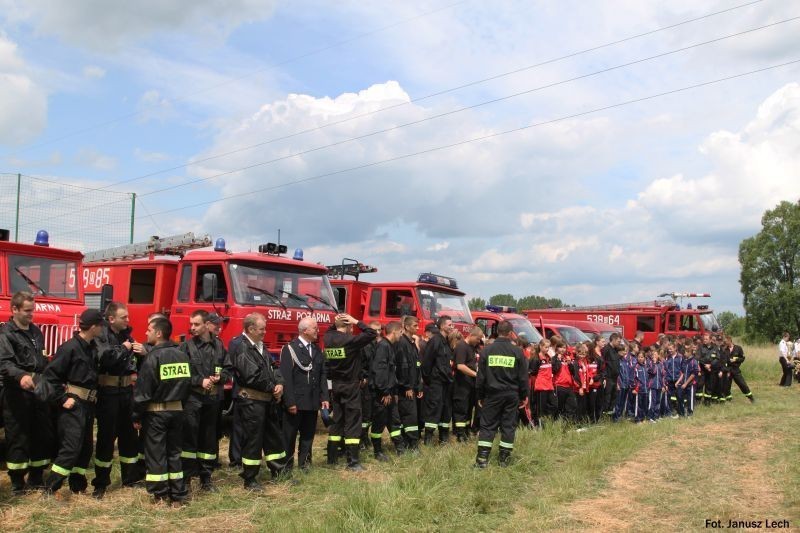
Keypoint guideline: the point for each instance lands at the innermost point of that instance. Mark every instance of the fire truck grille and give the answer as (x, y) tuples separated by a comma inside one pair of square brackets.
[(55, 335)]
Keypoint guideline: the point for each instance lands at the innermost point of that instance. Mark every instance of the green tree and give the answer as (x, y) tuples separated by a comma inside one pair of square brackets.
[(538, 302), (503, 299), (733, 324), (476, 304), (769, 280)]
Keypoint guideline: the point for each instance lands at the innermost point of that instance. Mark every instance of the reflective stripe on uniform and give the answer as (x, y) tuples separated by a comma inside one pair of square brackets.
[(251, 462), (156, 477), (206, 456), (395, 433), (140, 457), (375, 435), (37, 464), (60, 470), (364, 425), (430, 425), (78, 470), (129, 460), (276, 456), (102, 464), (507, 445), (17, 466), (334, 438), (175, 475), (484, 444), (443, 424), (348, 442), (188, 455), (409, 429), (461, 424)]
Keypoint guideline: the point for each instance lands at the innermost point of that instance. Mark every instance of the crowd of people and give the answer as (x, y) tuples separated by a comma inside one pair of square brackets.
[(789, 359), (161, 402)]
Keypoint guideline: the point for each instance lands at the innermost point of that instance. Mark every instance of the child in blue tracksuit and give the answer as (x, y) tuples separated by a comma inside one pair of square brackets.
[(672, 371), (639, 389), (690, 370), (655, 385), (624, 384)]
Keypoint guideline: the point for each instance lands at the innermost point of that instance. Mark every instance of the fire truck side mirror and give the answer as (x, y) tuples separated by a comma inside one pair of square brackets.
[(106, 296), (209, 287)]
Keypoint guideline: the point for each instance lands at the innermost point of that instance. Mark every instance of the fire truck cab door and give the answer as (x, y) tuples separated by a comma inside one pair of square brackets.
[(373, 311)]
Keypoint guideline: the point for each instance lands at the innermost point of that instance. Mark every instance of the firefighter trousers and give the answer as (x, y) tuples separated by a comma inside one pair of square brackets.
[(30, 437), (304, 424), (407, 409), (463, 403), (114, 423), (262, 436), (235, 444), (199, 450), (709, 382), (609, 394), (366, 408), (438, 406), (738, 378), (163, 438), (75, 447), (567, 403), (346, 405), (725, 386), (385, 417), (499, 410)]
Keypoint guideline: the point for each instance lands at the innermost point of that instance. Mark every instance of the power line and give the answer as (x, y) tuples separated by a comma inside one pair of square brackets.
[(453, 112), (482, 138), (430, 95), (242, 77)]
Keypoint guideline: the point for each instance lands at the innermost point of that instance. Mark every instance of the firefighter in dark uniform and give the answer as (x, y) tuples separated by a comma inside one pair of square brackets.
[(201, 410), (116, 366), (70, 380), (437, 374), (343, 362), (366, 398), (464, 388), (305, 390), (409, 382), (708, 357), (383, 385), (260, 389), (735, 357), (161, 389), (30, 435), (502, 389)]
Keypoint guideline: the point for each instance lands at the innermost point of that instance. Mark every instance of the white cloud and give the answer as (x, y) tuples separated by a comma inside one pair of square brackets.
[(94, 159), (438, 247), (23, 103), (93, 72), (150, 157)]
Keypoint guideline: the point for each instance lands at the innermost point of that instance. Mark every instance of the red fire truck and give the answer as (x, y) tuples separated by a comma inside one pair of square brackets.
[(172, 275), (654, 317), (488, 318), (50, 274), (427, 298)]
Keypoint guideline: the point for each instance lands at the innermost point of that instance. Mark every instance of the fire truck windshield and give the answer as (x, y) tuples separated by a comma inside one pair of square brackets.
[(54, 278), (571, 335), (522, 325), (710, 322), (257, 284), (435, 303)]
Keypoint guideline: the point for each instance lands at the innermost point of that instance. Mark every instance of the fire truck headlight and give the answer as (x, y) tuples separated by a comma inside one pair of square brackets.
[(42, 238)]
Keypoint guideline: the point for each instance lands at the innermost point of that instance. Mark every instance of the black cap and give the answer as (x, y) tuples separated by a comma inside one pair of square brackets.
[(215, 319), (431, 328), (91, 317)]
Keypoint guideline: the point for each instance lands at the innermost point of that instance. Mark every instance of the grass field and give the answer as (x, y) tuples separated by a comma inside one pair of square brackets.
[(738, 461)]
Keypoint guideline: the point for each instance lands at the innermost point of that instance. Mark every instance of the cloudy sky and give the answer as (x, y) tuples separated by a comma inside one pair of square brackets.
[(497, 142)]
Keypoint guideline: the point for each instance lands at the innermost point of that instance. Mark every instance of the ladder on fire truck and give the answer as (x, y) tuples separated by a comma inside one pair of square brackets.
[(675, 297), (172, 245), (353, 268)]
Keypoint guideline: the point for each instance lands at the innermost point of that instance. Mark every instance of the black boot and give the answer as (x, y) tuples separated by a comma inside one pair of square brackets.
[(353, 462), (377, 448), (428, 439), (364, 443), (460, 435), (17, 481), (482, 460), (444, 435), (399, 445), (333, 453), (505, 456)]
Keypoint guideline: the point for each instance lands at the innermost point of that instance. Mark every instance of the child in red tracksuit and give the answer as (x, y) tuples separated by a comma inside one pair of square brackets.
[(640, 378), (565, 377), (543, 395)]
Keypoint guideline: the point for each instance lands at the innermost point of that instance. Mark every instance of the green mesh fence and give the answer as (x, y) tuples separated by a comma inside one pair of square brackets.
[(76, 217)]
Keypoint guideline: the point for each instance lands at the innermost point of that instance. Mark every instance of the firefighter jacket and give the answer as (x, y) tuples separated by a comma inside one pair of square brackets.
[(164, 377), (464, 354), (565, 373), (253, 370), (690, 367), (610, 361), (343, 357), (382, 374), (657, 378), (542, 368), (75, 363), (206, 359), (407, 365), (672, 368), (502, 368), (640, 378), (305, 381), (709, 355), (626, 366), (724, 359), (735, 356), (367, 353), (22, 353), (112, 357), (437, 360)]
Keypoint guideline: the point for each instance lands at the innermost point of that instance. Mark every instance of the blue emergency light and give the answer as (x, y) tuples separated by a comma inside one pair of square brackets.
[(42, 238), (219, 246), (501, 309), (298, 254), (435, 279)]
